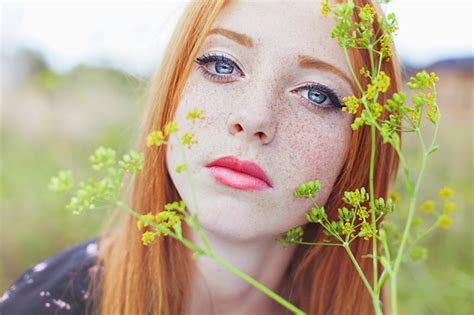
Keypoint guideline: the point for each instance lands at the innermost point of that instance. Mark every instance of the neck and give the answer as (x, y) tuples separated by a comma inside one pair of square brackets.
[(215, 290)]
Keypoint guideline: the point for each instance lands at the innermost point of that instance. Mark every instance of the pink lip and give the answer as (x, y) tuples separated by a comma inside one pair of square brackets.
[(244, 175)]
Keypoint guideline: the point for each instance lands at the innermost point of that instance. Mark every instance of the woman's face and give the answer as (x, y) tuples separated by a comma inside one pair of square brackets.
[(258, 109)]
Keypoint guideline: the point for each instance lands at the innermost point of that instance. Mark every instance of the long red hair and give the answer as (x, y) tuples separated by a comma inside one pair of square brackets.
[(135, 279)]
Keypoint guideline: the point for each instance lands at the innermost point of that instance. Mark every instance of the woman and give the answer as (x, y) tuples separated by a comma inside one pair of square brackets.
[(270, 80)]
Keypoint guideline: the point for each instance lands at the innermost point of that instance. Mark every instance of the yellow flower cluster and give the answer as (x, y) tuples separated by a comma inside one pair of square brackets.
[(377, 110), (444, 221), (148, 238), (446, 193), (167, 218), (385, 50), (371, 90), (149, 216), (433, 78), (325, 9), (171, 127), (155, 138), (188, 139), (195, 114), (368, 11), (449, 207), (382, 82), (352, 103), (428, 206)]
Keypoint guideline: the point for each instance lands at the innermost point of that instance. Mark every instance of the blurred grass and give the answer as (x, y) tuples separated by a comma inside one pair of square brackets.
[(52, 122)]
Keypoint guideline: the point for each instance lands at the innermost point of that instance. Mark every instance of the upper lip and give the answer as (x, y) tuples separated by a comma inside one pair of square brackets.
[(246, 167)]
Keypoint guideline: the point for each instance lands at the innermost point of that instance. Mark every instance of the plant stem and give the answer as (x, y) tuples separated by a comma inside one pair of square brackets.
[(375, 298), (199, 230), (352, 70), (257, 285), (322, 244), (372, 207), (411, 212)]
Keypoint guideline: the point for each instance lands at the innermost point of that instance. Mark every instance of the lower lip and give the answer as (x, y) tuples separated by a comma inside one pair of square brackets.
[(236, 179)]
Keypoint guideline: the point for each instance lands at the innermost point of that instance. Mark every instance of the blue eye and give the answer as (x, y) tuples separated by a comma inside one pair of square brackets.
[(319, 95), (223, 67)]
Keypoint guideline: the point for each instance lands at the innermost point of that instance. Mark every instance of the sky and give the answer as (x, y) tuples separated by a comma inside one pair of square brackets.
[(131, 36)]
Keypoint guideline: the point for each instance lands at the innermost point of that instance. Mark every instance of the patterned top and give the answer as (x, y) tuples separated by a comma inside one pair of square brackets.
[(57, 285)]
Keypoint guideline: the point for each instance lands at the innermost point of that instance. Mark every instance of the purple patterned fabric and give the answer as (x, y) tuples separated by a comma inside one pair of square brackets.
[(56, 285)]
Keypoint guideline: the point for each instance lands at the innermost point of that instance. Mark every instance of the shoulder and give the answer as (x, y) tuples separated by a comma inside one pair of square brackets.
[(56, 285)]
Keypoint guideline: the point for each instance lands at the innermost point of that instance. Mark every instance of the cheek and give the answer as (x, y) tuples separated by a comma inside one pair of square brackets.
[(322, 150)]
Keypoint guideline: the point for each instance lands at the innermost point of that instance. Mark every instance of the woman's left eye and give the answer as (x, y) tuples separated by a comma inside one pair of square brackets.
[(222, 69), (319, 95)]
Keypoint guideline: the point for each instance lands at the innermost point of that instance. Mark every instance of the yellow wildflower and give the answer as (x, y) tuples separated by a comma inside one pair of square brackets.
[(188, 139), (446, 193), (155, 138), (385, 50), (148, 238), (352, 103), (383, 82), (377, 110), (449, 207), (348, 229), (325, 9), (395, 196), (195, 114), (171, 127), (371, 90), (416, 222), (141, 224), (427, 206), (444, 221)]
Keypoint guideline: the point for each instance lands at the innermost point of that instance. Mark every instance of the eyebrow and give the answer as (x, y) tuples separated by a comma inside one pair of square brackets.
[(242, 39), (304, 61)]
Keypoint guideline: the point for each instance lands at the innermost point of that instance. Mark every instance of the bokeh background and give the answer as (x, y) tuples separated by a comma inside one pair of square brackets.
[(74, 77)]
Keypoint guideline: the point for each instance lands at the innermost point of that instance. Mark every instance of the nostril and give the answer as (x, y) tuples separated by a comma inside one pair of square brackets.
[(236, 128)]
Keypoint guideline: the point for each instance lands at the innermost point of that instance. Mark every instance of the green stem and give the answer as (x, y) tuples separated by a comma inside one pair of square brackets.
[(352, 70), (257, 285), (411, 212), (199, 230), (372, 207), (327, 221), (322, 244), (371, 57), (375, 299)]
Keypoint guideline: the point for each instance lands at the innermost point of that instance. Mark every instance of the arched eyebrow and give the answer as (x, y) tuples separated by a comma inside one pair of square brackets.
[(304, 61), (242, 39)]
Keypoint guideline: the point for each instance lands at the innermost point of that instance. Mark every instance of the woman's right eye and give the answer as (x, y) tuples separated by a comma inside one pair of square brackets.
[(222, 69)]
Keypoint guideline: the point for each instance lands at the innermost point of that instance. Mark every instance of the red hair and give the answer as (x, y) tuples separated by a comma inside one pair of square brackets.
[(135, 279)]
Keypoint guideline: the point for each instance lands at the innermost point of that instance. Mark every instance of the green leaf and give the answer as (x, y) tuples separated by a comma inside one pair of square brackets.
[(433, 149)]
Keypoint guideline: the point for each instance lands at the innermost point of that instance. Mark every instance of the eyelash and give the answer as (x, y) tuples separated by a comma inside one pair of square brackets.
[(336, 103)]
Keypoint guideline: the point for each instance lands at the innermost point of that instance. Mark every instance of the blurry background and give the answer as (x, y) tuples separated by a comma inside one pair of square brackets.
[(73, 78)]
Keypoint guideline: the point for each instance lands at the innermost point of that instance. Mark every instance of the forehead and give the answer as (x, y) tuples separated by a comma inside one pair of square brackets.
[(284, 27)]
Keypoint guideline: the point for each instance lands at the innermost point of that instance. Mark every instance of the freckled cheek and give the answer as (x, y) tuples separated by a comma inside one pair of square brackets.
[(324, 150)]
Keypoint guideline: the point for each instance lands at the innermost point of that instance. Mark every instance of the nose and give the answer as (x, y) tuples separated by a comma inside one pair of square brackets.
[(253, 125)]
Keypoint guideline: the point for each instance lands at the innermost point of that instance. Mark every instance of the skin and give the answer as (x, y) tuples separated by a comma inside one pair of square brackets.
[(259, 115)]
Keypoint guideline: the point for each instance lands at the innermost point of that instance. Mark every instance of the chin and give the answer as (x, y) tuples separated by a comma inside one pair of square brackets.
[(230, 228)]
